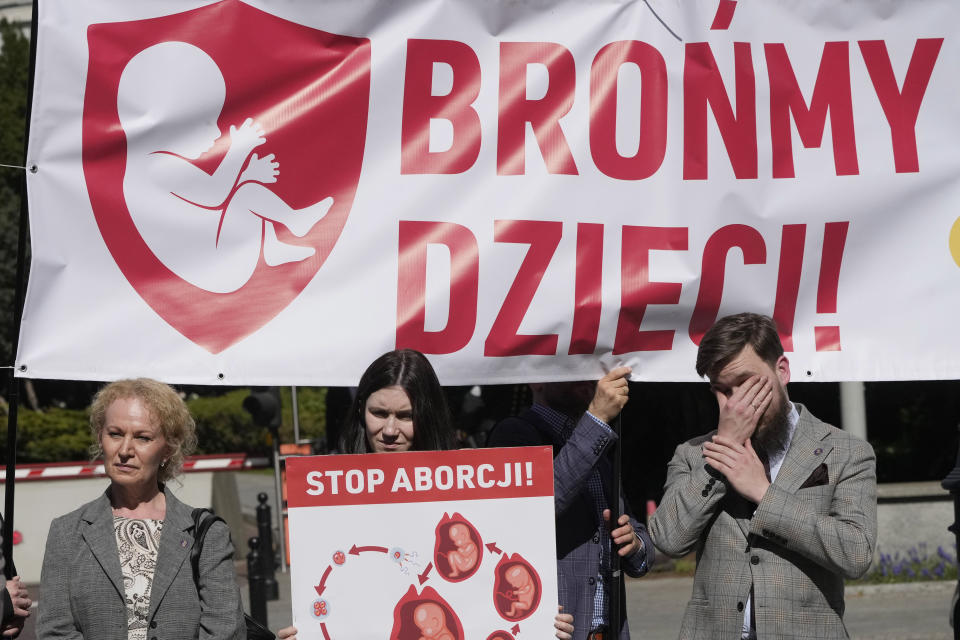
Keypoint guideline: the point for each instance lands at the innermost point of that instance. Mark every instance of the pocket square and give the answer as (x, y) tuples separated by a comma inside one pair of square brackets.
[(818, 478)]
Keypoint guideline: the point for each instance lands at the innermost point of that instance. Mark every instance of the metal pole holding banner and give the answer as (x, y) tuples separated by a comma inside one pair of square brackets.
[(296, 415), (278, 487), (616, 575), (19, 290), (853, 408), (9, 569)]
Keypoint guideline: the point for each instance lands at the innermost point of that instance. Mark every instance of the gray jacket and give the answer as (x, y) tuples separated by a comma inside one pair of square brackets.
[(81, 586), (816, 525)]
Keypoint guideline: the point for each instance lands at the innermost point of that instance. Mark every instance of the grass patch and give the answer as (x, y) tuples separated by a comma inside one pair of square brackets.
[(665, 566)]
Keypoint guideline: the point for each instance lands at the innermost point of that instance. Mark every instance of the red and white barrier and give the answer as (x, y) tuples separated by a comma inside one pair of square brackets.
[(67, 470)]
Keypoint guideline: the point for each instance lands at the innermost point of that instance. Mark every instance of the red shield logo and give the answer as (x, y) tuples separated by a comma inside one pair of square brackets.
[(221, 150)]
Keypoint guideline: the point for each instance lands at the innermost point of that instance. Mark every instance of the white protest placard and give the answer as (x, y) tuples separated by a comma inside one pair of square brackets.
[(524, 191), (438, 545)]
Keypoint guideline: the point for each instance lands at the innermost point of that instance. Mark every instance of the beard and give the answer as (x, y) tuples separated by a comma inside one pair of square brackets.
[(772, 435)]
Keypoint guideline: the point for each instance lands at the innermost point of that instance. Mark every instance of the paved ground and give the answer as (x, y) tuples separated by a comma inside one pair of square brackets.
[(655, 604), (916, 611), (898, 612)]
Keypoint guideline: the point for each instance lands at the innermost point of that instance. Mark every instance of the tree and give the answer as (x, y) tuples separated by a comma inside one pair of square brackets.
[(14, 75)]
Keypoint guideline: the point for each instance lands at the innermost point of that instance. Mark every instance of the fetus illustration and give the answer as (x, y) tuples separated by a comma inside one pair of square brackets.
[(425, 616), (516, 588), (430, 619), (458, 548), (500, 635), (210, 229)]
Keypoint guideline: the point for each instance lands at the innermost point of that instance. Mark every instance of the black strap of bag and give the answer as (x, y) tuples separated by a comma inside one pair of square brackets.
[(203, 519)]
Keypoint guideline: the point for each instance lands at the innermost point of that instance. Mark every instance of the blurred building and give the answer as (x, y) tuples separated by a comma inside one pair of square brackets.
[(18, 13)]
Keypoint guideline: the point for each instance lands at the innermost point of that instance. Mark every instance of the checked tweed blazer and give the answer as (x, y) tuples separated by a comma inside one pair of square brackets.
[(794, 549), (578, 536), (81, 586)]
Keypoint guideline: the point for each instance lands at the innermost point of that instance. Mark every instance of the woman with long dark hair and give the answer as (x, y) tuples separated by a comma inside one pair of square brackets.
[(400, 406)]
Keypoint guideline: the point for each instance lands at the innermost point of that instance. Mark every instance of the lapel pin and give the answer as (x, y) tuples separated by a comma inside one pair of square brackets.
[(817, 451), (183, 543)]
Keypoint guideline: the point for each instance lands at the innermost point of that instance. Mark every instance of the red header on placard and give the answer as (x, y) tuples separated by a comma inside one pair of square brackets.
[(420, 476)]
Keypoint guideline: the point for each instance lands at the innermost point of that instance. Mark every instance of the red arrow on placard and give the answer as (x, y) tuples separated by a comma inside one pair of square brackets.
[(320, 587), (515, 629), (492, 546), (423, 576), (355, 550), (323, 627)]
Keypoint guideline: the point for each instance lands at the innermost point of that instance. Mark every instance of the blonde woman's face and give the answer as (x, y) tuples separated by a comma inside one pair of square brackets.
[(133, 444)]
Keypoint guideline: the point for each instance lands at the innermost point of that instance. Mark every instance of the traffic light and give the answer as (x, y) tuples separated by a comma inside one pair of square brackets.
[(263, 403)]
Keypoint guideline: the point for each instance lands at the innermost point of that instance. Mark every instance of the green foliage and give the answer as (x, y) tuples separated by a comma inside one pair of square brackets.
[(311, 402), (665, 566), (55, 435), (14, 73), (9, 221), (913, 428), (223, 426)]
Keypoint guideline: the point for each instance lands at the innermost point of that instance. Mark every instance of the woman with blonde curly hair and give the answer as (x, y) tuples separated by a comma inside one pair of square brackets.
[(118, 568)]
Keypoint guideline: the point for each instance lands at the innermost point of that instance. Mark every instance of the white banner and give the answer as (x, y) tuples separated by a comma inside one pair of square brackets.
[(277, 192)]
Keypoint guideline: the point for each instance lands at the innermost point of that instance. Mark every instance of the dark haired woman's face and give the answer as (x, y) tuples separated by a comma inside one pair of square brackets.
[(388, 417)]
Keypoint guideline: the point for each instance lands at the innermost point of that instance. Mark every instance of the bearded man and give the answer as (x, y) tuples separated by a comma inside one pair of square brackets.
[(779, 506)]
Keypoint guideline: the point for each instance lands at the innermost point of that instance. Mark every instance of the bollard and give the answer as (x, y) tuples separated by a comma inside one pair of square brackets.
[(258, 594), (268, 563), (952, 484)]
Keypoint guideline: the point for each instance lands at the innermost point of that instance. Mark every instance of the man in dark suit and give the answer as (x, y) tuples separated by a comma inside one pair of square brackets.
[(779, 506), (573, 417)]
